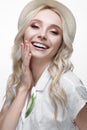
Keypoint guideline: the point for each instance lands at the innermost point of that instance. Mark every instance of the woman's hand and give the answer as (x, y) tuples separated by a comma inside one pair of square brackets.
[(26, 77)]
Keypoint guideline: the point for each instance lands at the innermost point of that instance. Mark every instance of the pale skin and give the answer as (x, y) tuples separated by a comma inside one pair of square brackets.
[(42, 38)]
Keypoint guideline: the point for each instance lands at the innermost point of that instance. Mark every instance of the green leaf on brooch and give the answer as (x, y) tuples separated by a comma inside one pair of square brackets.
[(31, 106)]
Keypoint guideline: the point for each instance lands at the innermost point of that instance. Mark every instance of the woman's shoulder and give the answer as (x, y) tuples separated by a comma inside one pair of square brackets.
[(72, 83), (71, 78)]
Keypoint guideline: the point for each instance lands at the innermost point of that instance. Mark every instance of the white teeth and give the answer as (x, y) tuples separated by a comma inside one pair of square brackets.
[(39, 45)]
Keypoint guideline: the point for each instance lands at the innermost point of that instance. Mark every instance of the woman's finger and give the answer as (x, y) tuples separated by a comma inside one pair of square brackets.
[(25, 53)]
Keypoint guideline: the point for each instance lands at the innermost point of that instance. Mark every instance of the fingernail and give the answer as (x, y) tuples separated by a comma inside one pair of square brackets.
[(26, 41)]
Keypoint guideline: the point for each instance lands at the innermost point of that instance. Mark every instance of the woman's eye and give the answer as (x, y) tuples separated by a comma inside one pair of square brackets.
[(54, 32), (35, 26)]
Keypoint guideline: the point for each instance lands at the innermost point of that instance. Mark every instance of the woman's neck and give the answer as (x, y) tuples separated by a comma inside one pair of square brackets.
[(37, 68)]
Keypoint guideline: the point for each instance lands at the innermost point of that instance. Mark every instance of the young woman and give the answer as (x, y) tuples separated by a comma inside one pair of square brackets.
[(42, 92)]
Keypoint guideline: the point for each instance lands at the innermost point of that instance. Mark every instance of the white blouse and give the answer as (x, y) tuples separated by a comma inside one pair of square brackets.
[(42, 115)]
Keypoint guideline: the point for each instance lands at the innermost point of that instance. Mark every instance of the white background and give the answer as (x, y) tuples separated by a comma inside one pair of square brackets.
[(9, 13)]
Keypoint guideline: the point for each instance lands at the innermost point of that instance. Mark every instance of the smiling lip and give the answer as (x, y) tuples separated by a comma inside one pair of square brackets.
[(39, 45)]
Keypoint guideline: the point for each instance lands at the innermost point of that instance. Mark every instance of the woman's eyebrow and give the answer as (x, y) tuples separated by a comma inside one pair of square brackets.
[(36, 20)]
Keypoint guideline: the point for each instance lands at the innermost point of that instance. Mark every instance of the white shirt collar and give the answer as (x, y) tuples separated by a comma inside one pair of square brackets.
[(43, 80)]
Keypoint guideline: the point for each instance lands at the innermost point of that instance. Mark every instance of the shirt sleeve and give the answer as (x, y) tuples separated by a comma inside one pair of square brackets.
[(76, 94), (75, 103)]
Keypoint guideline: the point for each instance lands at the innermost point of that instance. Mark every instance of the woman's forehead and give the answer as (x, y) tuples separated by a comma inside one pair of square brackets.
[(49, 16)]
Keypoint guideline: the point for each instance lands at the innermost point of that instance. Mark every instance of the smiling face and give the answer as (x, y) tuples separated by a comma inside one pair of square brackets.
[(44, 34)]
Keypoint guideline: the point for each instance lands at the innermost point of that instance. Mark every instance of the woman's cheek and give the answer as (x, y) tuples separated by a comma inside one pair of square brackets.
[(26, 36)]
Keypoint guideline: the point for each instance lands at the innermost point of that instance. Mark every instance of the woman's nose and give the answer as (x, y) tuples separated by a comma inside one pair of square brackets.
[(42, 35)]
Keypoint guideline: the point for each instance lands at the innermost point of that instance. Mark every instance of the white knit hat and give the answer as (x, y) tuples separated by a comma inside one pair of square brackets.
[(62, 9)]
